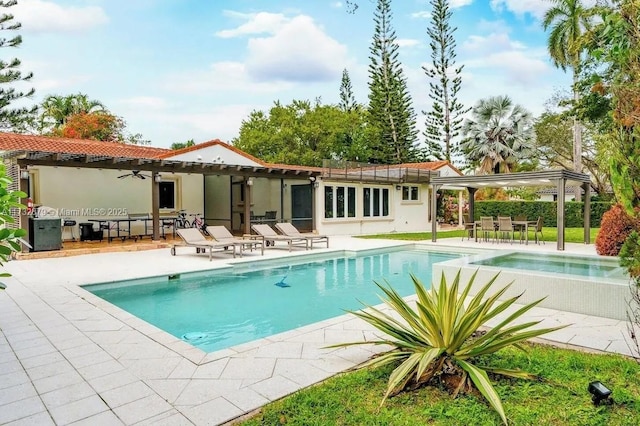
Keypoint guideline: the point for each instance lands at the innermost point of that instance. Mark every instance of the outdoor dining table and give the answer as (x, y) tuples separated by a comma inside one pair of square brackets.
[(523, 223)]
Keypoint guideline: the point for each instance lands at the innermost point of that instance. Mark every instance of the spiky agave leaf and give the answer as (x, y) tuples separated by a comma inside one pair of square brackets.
[(440, 330), (482, 382)]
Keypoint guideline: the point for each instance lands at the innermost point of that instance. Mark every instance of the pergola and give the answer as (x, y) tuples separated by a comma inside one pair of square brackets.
[(155, 166), (558, 178)]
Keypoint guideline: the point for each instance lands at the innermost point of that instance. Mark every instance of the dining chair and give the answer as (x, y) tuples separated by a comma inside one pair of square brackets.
[(538, 230), (505, 227), (487, 227), (469, 227)]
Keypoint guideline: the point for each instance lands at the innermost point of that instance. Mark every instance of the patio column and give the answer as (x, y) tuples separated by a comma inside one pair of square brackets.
[(460, 212), (434, 212), (155, 205), (24, 216), (472, 203), (282, 186), (560, 216), (248, 183), (587, 212)]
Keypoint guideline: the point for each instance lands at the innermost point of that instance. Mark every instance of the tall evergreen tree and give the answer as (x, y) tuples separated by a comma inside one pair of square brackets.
[(347, 100), (10, 118), (390, 104), (444, 120)]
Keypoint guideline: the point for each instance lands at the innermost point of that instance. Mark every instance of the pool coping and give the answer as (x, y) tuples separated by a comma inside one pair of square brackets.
[(201, 357), (133, 374)]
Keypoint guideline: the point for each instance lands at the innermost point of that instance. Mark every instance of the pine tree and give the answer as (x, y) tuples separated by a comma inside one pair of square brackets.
[(10, 118), (444, 120), (390, 104), (347, 100)]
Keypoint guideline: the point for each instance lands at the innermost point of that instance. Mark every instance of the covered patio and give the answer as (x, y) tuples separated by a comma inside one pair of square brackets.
[(20, 152), (558, 178)]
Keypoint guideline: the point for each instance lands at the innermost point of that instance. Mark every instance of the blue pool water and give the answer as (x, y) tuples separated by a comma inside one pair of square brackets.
[(569, 265), (224, 309)]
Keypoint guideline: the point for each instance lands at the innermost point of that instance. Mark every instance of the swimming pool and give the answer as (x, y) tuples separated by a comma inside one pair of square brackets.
[(562, 264), (590, 285), (242, 303)]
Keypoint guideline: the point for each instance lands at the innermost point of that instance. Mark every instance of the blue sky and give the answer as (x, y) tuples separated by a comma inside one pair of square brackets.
[(193, 69)]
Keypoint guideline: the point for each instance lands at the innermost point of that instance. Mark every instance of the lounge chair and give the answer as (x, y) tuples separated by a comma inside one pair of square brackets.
[(192, 237), (222, 235), (270, 236), (291, 231)]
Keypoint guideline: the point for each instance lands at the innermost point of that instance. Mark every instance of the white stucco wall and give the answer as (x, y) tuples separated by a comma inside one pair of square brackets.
[(82, 194), (447, 170), (215, 154), (224, 203), (404, 216)]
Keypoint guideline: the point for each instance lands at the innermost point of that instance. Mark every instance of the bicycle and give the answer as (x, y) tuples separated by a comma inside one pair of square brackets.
[(181, 220), (198, 223)]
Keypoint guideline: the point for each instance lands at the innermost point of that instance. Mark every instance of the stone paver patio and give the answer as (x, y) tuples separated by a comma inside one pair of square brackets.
[(68, 357)]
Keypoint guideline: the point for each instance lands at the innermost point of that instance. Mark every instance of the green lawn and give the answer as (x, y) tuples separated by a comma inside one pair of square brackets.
[(559, 398), (571, 235)]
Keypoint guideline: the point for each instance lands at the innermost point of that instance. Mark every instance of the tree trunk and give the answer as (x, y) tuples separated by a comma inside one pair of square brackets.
[(577, 138)]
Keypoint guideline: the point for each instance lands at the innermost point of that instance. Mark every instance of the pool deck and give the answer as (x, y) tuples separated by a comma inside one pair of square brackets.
[(67, 357)]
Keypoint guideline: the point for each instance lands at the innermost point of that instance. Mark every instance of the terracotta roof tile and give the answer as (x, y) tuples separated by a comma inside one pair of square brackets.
[(17, 142)]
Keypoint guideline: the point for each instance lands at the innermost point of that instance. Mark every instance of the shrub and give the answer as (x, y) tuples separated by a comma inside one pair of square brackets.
[(573, 217), (9, 237), (630, 255), (443, 338), (615, 227)]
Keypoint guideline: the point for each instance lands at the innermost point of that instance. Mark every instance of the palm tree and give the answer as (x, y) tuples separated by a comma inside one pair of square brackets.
[(57, 109), (498, 134), (568, 20)]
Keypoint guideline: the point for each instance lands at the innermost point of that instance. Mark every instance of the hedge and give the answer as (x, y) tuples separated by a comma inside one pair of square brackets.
[(547, 209)]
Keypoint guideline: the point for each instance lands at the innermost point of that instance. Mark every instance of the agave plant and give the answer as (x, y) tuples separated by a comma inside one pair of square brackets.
[(444, 335)]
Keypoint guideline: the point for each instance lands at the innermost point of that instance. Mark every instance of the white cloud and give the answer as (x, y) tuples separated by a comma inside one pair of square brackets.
[(536, 8), (492, 43), (226, 76), (258, 23), (498, 26), (407, 42), (455, 4), (422, 14), (46, 16), (291, 49), (521, 68), (337, 4), (299, 51), (50, 78), (146, 102), (221, 122)]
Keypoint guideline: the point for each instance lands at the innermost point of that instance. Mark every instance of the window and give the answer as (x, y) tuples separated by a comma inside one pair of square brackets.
[(167, 195), (339, 201), (375, 202), (410, 193)]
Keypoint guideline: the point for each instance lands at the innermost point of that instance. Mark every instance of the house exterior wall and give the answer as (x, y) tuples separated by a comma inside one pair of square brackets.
[(83, 194), (217, 196), (224, 204), (215, 154), (447, 170), (404, 215)]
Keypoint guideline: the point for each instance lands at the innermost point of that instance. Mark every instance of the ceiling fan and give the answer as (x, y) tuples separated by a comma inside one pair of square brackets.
[(134, 174)]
